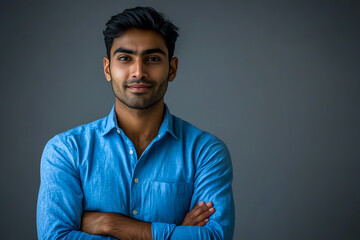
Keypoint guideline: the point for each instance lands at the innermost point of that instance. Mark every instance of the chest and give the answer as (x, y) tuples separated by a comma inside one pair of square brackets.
[(159, 181), (141, 144)]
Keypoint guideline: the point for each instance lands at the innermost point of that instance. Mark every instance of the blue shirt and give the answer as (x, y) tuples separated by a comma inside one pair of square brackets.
[(94, 167)]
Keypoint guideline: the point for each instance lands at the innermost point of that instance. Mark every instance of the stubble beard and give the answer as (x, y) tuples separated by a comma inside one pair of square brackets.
[(139, 101)]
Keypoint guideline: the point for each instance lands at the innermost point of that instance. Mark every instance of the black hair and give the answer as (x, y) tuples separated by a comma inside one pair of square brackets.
[(143, 18)]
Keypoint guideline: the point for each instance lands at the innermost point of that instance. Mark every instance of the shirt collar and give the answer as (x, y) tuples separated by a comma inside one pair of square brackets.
[(167, 124), (110, 122)]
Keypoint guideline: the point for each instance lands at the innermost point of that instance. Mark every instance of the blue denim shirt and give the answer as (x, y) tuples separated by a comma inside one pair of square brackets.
[(94, 167)]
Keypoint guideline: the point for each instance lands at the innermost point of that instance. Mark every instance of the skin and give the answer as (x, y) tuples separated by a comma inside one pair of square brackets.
[(139, 71), (199, 215), (140, 113), (122, 227)]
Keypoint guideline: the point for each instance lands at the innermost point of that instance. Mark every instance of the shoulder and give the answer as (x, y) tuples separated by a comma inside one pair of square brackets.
[(202, 142), (71, 138), (186, 130), (95, 127), (209, 154), (64, 148)]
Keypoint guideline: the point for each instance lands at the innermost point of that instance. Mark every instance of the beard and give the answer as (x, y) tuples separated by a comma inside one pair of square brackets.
[(140, 100)]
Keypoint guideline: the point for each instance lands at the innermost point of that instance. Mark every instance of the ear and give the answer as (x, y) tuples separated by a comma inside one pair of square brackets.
[(173, 68), (107, 69)]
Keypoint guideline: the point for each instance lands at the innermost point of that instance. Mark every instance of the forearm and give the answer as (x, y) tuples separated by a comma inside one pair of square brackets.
[(125, 228), (119, 226), (115, 225), (163, 231)]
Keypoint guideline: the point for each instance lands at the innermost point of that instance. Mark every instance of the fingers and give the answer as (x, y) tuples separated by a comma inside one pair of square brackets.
[(202, 214), (203, 223), (201, 208), (199, 215)]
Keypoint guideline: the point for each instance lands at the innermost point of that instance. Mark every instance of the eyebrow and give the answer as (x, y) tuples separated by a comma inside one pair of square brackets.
[(145, 52)]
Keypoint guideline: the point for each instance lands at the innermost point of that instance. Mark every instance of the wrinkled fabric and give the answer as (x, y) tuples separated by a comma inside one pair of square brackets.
[(94, 167)]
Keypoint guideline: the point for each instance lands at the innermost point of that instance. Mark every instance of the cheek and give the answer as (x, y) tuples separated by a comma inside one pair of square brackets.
[(118, 73), (161, 73)]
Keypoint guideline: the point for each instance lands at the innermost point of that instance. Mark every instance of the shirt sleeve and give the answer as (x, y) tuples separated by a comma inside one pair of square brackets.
[(59, 207), (212, 182)]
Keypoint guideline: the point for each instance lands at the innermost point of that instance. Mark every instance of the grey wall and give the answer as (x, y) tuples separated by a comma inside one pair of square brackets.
[(277, 81)]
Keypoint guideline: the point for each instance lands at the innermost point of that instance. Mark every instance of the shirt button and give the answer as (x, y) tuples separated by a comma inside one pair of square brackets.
[(134, 212), (131, 152), (136, 180), (118, 131)]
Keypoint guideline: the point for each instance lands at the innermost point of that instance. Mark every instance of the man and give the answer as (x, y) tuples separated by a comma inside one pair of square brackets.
[(140, 172)]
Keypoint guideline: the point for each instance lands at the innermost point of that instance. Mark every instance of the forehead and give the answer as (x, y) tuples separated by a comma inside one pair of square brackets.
[(139, 40)]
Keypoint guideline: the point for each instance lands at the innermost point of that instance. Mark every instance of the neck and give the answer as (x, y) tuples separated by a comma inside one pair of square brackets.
[(140, 123)]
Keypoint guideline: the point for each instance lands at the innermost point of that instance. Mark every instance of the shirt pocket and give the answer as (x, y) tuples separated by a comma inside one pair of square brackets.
[(170, 201)]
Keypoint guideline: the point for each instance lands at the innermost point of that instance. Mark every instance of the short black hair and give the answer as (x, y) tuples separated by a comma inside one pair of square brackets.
[(142, 18)]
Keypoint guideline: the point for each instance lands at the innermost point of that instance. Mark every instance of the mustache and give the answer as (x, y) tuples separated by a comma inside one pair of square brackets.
[(139, 81)]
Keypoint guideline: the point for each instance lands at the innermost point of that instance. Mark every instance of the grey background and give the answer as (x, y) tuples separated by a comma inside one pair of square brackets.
[(278, 81)]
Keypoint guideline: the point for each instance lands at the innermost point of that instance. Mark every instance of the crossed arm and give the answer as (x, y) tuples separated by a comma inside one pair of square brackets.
[(122, 227), (60, 210)]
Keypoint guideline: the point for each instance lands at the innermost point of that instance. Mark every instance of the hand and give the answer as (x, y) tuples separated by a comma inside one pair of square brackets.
[(199, 215)]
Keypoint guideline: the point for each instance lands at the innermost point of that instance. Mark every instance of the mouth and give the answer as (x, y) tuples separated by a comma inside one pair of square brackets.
[(139, 87)]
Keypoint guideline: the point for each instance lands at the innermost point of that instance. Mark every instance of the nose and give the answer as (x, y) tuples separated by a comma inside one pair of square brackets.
[(138, 69)]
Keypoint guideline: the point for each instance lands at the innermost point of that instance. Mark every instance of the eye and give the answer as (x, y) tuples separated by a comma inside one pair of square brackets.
[(153, 59), (124, 58)]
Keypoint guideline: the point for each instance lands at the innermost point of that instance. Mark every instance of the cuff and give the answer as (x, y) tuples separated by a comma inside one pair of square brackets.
[(161, 231)]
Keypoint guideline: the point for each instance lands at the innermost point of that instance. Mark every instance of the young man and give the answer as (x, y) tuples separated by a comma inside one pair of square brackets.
[(140, 172)]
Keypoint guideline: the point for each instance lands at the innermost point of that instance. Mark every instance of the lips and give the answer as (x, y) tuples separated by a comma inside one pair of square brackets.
[(139, 87)]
